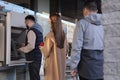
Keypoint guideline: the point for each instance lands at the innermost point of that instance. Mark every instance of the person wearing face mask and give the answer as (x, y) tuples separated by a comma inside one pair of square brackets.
[(88, 46), (31, 49)]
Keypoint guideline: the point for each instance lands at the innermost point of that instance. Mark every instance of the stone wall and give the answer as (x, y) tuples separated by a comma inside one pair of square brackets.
[(111, 22)]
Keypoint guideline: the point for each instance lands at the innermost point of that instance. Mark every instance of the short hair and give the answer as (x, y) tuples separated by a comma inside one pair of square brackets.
[(92, 6), (30, 17)]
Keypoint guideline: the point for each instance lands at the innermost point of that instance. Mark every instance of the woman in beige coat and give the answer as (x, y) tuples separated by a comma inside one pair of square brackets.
[(54, 50)]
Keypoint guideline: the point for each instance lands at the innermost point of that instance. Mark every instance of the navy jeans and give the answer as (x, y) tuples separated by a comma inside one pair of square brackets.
[(34, 69)]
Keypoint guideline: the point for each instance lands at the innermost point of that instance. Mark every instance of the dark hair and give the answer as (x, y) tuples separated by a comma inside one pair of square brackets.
[(55, 14), (58, 31), (30, 17), (90, 5)]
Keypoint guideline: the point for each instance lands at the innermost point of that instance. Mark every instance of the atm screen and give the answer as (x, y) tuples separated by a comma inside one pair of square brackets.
[(18, 36)]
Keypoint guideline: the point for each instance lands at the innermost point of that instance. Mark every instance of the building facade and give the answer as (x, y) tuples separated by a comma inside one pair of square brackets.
[(111, 22)]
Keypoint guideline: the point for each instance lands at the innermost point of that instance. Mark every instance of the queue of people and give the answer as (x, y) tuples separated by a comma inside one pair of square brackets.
[(86, 53)]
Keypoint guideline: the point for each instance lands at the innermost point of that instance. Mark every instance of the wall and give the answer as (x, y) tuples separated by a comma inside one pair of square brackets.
[(111, 22), (14, 73), (18, 1), (25, 3), (43, 6)]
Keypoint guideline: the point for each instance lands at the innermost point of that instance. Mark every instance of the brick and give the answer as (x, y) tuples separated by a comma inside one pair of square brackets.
[(118, 68), (112, 42), (111, 18), (110, 1), (111, 77), (112, 30), (110, 7), (112, 55), (111, 22), (110, 69)]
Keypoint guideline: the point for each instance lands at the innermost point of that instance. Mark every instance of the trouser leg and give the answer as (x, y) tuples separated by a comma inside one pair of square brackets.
[(34, 71)]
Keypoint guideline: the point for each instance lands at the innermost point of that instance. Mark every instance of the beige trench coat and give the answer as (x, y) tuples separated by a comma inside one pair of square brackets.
[(55, 59)]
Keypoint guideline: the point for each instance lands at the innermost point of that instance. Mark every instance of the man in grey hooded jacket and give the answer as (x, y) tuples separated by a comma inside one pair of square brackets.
[(87, 47)]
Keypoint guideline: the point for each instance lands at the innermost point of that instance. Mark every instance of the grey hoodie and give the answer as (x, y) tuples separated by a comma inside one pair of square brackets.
[(94, 19), (89, 34)]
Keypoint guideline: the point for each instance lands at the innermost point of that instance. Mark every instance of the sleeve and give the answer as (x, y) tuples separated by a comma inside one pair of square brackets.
[(31, 42), (47, 47), (76, 46)]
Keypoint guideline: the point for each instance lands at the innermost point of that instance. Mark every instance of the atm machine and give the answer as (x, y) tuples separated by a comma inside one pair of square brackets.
[(12, 35)]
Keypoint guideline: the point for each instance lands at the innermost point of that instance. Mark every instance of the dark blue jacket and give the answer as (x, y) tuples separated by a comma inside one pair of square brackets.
[(35, 54)]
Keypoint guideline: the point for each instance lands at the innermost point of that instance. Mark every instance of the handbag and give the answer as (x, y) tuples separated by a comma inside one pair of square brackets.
[(42, 68)]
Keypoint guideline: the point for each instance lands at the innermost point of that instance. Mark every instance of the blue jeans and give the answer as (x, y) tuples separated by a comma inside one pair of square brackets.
[(34, 69)]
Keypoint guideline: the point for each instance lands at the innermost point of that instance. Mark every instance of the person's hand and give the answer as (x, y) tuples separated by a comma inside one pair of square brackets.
[(73, 73), (22, 45), (19, 50)]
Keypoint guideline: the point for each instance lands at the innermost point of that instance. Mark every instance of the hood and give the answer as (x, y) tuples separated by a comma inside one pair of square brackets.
[(38, 27), (94, 19)]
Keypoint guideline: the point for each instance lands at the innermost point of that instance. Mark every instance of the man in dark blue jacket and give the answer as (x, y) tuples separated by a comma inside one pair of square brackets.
[(87, 47), (31, 49)]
